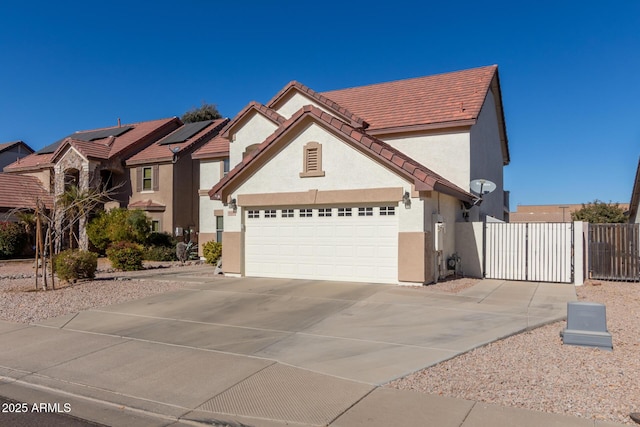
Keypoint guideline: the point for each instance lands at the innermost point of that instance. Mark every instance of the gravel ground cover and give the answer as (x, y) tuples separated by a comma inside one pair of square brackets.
[(534, 370), (20, 302)]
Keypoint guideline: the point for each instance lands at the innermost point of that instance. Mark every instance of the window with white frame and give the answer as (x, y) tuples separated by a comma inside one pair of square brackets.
[(344, 211), (287, 213), (219, 228), (324, 212), (387, 210), (270, 213), (253, 214), (306, 213), (365, 211)]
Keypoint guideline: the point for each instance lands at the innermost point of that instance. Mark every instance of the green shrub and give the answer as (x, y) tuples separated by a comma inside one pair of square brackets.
[(118, 225), (72, 265), (160, 253), (161, 239), (212, 251), (125, 256), (12, 239)]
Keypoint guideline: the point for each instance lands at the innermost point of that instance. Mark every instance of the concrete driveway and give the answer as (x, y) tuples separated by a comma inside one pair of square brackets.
[(268, 348)]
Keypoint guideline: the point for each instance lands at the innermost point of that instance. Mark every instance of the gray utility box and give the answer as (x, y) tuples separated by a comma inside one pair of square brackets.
[(587, 326)]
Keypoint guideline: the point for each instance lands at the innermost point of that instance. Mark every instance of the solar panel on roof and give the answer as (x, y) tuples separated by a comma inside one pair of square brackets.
[(185, 132), (91, 135)]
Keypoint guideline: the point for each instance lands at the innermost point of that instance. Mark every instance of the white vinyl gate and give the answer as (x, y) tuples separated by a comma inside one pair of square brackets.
[(537, 252)]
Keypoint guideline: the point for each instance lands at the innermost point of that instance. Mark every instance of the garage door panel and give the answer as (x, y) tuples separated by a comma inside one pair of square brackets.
[(356, 248)]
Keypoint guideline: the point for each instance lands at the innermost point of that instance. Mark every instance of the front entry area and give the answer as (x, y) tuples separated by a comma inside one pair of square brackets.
[(346, 243)]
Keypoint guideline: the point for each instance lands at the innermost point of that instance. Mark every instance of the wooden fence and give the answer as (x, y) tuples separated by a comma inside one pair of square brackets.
[(614, 252)]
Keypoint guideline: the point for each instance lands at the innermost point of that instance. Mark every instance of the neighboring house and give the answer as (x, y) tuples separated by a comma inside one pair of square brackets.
[(165, 179), (548, 213), (12, 151), (363, 184), (634, 216), (93, 159)]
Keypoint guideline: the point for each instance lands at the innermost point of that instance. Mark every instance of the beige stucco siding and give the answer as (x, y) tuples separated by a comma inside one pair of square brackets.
[(295, 101), (345, 168), (254, 130), (486, 158), (164, 195), (446, 154), (211, 172)]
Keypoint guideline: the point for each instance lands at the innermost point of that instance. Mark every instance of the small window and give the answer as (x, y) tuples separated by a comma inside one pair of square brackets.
[(147, 179), (387, 210), (287, 213), (219, 228), (365, 211), (253, 214), (324, 212), (155, 225), (306, 213), (225, 166), (344, 211), (270, 213)]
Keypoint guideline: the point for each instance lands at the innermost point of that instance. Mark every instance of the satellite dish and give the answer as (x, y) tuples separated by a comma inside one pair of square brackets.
[(482, 186), (175, 149)]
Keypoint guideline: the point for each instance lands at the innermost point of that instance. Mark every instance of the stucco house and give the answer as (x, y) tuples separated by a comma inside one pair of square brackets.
[(362, 184), (12, 151), (164, 178), (91, 159)]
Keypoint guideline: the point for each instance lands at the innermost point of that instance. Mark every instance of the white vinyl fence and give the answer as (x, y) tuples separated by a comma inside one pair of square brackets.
[(539, 252)]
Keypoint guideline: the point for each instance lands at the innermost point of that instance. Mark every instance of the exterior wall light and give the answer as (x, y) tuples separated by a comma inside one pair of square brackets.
[(233, 204), (406, 199)]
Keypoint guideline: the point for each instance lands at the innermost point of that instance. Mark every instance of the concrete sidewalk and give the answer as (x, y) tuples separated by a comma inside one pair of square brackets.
[(266, 352)]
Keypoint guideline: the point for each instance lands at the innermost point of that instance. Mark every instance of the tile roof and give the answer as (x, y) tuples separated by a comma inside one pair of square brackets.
[(219, 146), (157, 152), (335, 107), (148, 205), (422, 101), (423, 178), (140, 134), (21, 191)]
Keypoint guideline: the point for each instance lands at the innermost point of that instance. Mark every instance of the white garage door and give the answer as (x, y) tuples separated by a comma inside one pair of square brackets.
[(358, 244)]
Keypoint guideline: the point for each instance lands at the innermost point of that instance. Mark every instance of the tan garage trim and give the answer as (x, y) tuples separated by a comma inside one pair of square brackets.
[(315, 197), (204, 238), (232, 252), (415, 257)]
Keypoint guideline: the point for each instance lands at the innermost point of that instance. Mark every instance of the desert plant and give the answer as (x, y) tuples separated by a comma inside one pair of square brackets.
[(212, 252), (157, 238), (125, 256), (72, 264), (12, 239)]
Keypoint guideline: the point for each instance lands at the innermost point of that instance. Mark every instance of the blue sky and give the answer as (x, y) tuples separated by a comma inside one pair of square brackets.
[(569, 70)]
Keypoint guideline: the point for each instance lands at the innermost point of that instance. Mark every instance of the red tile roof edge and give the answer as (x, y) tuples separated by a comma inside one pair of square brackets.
[(355, 121), (396, 160), (253, 106)]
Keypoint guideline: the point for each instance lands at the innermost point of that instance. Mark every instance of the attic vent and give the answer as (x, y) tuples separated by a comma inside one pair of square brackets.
[(312, 162)]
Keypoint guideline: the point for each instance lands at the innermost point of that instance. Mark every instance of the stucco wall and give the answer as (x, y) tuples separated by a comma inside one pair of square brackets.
[(486, 158), (344, 167), (211, 171), (288, 106), (164, 195), (445, 153), (254, 130), (469, 247)]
